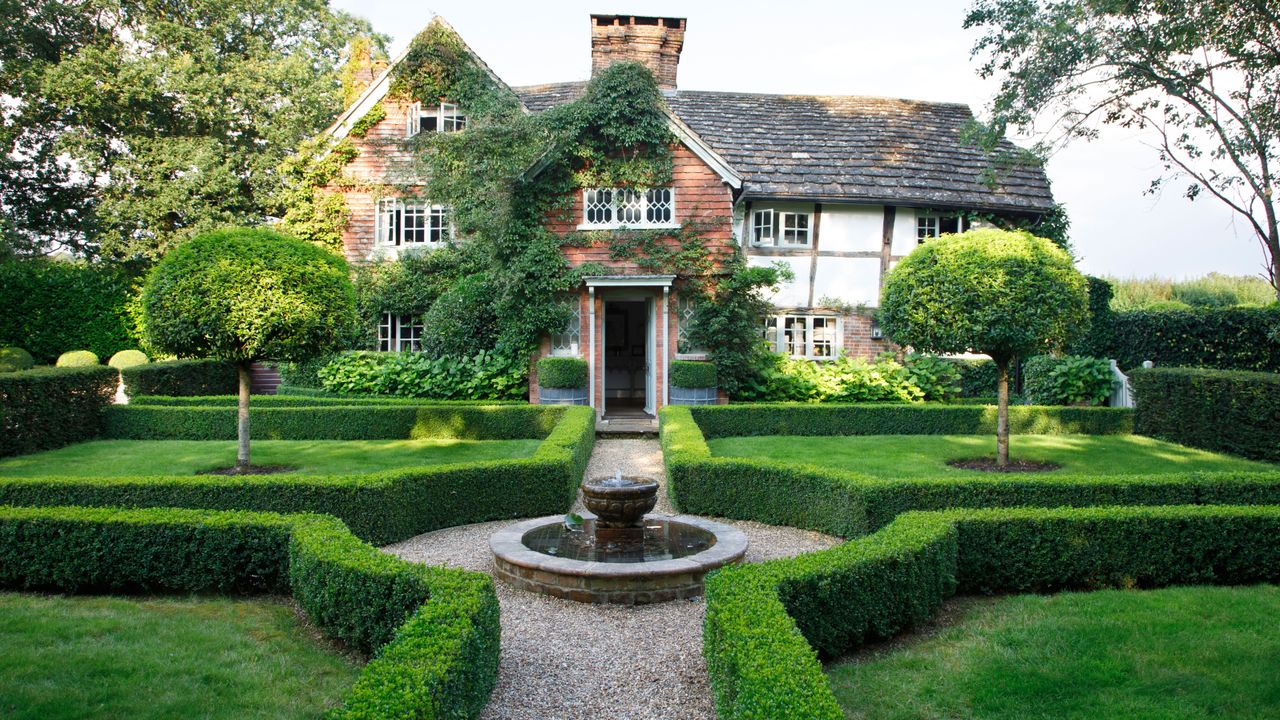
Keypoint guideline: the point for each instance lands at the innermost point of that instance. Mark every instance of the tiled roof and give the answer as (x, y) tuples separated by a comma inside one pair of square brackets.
[(852, 148)]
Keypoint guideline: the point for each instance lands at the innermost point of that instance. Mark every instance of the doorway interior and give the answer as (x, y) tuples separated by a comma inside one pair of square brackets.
[(628, 358)]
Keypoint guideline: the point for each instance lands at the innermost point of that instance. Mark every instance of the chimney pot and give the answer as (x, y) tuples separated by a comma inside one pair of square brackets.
[(655, 42)]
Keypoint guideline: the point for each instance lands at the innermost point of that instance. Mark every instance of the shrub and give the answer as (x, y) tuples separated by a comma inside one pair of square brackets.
[(1224, 410), (50, 306), (303, 374), (13, 359), (77, 358), (50, 407), (306, 397), (127, 358), (1066, 380), (435, 630), (483, 376), (938, 379), (461, 320), (977, 377), (765, 621), (379, 507), (844, 379), (1001, 293), (1226, 339), (562, 372), (181, 377), (690, 374)]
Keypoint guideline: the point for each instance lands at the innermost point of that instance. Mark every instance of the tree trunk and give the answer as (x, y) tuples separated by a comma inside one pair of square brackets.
[(1273, 249), (1002, 413), (242, 418)]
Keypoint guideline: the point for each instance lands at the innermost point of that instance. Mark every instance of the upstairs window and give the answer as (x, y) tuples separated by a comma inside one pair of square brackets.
[(814, 337), (406, 222), (445, 117), (399, 333), (775, 228), (617, 207), (931, 225)]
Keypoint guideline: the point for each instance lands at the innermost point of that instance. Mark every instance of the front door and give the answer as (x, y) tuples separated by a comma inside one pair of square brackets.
[(628, 352)]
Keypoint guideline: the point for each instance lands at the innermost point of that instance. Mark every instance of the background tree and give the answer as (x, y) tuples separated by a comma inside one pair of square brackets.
[(132, 124), (1000, 293), (246, 295), (1203, 75)]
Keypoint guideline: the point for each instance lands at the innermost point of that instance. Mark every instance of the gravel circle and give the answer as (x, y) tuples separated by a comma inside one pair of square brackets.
[(563, 660)]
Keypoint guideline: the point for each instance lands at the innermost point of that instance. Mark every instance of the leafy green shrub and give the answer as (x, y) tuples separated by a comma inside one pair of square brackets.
[(461, 320), (1224, 410), (435, 630), (13, 359), (1226, 339), (977, 377), (764, 621), (50, 407), (77, 358), (937, 378), (691, 374), (303, 374), (181, 377), (127, 358), (50, 306), (483, 376), (562, 372), (845, 379), (1066, 380), (379, 507)]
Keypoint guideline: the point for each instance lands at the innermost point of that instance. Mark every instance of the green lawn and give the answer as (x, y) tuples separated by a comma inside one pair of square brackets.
[(185, 457), (1167, 654), (138, 658), (914, 456)]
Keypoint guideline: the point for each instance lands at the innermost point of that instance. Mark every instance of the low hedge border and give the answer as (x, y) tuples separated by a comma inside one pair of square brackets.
[(434, 630), (47, 408), (282, 420), (767, 624), (181, 377), (562, 373), (848, 504), (693, 374), (379, 507), (905, 419), (320, 400), (1223, 410)]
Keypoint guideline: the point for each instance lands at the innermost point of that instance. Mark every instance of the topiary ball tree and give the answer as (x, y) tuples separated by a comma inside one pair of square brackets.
[(249, 294), (1000, 293)]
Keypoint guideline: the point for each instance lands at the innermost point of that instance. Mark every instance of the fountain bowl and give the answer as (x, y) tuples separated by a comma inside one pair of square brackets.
[(619, 502)]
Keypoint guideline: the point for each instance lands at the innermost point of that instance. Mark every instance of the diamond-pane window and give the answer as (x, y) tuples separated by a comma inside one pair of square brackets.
[(568, 342), (615, 207), (599, 207), (686, 310), (659, 210)]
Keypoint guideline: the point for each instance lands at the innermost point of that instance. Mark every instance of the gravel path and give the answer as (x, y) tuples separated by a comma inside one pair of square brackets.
[(563, 660)]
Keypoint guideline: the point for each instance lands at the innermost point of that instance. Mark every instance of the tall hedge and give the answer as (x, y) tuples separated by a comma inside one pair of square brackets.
[(47, 408), (1226, 339), (181, 378), (1225, 410), (52, 307)]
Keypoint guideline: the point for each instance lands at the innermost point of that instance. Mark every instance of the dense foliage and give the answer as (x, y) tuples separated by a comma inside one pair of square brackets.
[(482, 376), (1230, 338), (1214, 290), (691, 374), (562, 372), (843, 380), (937, 378), (77, 358), (13, 359), (50, 407), (180, 378), (1066, 380), (52, 307), (434, 630), (1230, 411), (133, 125)]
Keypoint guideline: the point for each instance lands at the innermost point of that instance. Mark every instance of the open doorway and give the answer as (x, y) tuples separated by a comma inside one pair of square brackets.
[(628, 358)]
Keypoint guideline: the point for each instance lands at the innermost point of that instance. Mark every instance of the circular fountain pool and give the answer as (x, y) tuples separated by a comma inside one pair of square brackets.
[(655, 560)]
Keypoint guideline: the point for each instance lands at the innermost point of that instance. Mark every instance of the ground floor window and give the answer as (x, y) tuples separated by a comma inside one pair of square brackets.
[(815, 337), (568, 342), (686, 309), (398, 333)]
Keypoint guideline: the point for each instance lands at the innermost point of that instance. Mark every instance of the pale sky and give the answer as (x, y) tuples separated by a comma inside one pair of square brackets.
[(910, 49)]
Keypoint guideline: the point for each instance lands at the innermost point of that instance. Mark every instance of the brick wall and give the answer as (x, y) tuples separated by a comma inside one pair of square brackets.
[(858, 341)]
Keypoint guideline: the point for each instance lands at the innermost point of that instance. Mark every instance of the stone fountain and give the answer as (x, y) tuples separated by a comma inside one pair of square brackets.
[(617, 553)]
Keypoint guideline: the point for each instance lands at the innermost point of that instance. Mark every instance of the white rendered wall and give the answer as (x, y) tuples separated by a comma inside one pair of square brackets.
[(904, 231), (855, 281), (794, 293), (851, 228)]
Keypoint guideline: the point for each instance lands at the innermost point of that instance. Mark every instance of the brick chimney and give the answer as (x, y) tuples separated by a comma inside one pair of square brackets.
[(652, 41)]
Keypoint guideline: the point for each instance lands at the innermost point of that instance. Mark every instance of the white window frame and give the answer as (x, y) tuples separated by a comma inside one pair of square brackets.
[(929, 224), (776, 333), (436, 224), (686, 308), (568, 342), (615, 209), (769, 228), (400, 333), (449, 118)]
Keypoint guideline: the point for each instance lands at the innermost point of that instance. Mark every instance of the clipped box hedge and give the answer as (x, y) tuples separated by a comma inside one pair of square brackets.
[(1222, 410), (279, 420), (181, 377), (46, 408), (905, 419), (434, 630), (562, 373), (767, 624), (845, 503), (379, 507), (693, 374), (321, 400)]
